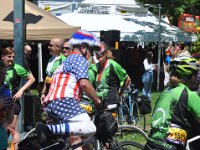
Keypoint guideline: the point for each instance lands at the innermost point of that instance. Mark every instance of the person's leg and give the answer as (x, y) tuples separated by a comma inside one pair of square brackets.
[(73, 128), (145, 89), (74, 140), (150, 87)]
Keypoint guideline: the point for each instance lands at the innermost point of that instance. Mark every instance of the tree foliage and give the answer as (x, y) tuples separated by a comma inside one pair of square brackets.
[(174, 8)]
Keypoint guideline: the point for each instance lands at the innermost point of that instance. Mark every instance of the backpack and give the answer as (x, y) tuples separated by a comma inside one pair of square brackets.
[(106, 126), (144, 105)]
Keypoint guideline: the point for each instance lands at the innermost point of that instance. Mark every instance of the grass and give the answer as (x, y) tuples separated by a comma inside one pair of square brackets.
[(155, 96), (137, 137)]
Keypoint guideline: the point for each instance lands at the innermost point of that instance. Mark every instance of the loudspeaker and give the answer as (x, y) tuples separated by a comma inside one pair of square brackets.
[(32, 111), (110, 37)]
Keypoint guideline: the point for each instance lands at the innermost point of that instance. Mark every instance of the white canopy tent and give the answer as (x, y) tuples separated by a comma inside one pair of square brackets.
[(132, 28), (134, 22)]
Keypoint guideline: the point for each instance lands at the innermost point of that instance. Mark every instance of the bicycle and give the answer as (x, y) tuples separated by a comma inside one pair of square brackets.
[(129, 111), (125, 132), (61, 142)]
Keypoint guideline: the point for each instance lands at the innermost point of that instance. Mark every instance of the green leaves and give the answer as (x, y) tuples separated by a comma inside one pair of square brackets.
[(174, 8)]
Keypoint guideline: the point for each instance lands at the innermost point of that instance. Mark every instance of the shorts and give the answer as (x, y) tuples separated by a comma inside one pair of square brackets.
[(62, 110), (17, 108)]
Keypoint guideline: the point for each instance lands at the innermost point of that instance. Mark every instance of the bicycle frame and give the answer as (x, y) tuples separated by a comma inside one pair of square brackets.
[(190, 141), (129, 104), (85, 141)]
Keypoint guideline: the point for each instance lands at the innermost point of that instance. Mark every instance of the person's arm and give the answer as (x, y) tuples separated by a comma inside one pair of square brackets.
[(126, 83), (30, 80), (43, 92), (89, 90)]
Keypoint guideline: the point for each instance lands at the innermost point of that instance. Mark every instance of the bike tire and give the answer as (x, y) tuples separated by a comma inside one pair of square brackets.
[(129, 132), (129, 145)]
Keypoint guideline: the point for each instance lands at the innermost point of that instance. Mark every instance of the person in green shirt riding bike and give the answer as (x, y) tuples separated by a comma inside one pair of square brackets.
[(176, 111)]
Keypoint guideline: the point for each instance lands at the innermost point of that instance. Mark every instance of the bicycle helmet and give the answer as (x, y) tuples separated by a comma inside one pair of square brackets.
[(82, 37), (183, 66), (101, 49)]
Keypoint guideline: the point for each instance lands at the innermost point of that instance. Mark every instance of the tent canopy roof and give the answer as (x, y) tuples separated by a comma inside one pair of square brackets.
[(40, 25), (132, 24), (132, 28)]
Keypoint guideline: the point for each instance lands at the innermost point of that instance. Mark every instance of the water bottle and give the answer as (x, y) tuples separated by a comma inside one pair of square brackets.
[(6, 90)]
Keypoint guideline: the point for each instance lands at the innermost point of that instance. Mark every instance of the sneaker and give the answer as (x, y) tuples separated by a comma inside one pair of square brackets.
[(42, 132)]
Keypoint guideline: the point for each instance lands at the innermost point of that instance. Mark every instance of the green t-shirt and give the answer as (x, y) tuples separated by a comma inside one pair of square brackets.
[(14, 75), (108, 81), (179, 106), (92, 73), (53, 64)]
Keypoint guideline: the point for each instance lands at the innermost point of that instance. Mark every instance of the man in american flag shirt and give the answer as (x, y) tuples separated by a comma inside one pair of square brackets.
[(62, 101)]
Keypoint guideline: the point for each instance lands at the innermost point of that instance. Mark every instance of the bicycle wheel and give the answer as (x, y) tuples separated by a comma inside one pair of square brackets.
[(129, 145), (139, 120), (129, 132)]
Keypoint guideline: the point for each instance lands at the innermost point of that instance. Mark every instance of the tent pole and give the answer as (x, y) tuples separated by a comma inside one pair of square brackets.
[(40, 69), (159, 49)]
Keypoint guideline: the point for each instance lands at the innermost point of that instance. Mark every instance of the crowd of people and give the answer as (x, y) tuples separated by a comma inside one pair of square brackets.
[(84, 65)]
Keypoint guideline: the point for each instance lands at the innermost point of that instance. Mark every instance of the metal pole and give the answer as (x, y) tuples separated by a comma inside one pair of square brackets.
[(19, 38), (159, 48), (40, 69)]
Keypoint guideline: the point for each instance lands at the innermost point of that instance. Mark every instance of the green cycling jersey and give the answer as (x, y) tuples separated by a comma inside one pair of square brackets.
[(14, 75), (107, 82), (177, 106)]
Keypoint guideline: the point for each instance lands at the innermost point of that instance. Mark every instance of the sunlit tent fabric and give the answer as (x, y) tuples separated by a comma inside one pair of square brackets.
[(40, 25), (136, 24), (168, 31), (133, 28)]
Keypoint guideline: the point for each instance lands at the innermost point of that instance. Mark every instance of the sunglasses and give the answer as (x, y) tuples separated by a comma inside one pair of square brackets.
[(66, 48), (98, 54)]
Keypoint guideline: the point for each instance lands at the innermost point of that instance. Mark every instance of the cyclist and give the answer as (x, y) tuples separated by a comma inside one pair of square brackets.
[(62, 101), (177, 110), (109, 76)]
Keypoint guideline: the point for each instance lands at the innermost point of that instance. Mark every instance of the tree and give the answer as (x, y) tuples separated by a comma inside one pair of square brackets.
[(174, 8)]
